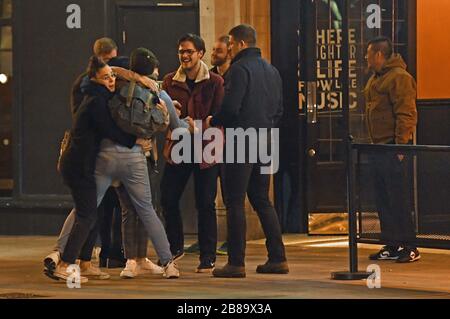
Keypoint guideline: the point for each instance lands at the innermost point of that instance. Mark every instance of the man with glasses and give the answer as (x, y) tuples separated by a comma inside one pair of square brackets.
[(200, 93), (221, 61)]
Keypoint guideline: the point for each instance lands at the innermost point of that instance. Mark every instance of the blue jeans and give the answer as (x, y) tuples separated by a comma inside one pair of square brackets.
[(116, 162)]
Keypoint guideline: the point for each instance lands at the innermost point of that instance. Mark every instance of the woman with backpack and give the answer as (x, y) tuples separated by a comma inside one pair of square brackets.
[(85, 171), (91, 123)]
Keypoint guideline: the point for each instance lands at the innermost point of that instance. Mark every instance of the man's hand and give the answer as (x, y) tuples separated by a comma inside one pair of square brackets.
[(178, 107), (149, 83), (208, 122), (162, 105), (145, 144), (192, 128)]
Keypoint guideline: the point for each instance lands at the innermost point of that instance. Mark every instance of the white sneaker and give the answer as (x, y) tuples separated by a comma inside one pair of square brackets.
[(51, 260), (171, 271), (147, 267), (130, 270), (94, 273)]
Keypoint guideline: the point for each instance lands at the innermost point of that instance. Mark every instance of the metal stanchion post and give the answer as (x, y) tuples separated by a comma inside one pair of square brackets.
[(353, 274)]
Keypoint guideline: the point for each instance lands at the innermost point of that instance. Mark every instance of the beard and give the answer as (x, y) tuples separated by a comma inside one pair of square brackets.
[(218, 62)]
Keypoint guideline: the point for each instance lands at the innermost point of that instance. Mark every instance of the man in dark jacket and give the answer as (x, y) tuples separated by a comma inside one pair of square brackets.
[(253, 99), (200, 93), (391, 119)]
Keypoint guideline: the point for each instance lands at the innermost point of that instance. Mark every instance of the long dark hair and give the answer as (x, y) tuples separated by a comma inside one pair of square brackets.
[(95, 64)]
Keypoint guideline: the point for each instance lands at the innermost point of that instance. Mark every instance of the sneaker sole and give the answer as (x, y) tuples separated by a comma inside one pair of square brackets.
[(409, 260), (384, 258), (204, 271)]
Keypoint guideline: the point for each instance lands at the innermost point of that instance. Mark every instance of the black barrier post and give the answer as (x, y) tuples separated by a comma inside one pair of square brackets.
[(353, 245), (353, 274)]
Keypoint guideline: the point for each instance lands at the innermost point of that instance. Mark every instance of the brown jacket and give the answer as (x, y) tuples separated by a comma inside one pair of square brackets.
[(391, 104), (203, 101)]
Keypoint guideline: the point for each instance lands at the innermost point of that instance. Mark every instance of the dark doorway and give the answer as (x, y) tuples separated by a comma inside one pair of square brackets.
[(158, 28)]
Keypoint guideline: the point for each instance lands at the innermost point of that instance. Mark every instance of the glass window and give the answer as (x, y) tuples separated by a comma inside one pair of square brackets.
[(329, 62), (6, 38), (5, 9)]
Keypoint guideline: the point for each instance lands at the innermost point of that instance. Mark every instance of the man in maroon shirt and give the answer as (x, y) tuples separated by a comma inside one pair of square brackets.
[(200, 93)]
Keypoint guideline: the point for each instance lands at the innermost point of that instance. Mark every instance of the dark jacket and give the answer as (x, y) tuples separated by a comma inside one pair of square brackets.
[(216, 71), (253, 93), (203, 101), (91, 123), (391, 104)]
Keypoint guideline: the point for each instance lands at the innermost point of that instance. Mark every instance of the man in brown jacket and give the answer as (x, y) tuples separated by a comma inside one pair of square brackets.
[(200, 93), (391, 119)]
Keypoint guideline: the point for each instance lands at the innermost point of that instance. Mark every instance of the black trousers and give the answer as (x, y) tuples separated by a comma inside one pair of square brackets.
[(82, 236), (222, 184), (110, 226), (393, 196), (242, 179), (173, 184)]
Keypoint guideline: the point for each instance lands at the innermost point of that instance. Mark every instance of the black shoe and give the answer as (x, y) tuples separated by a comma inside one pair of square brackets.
[(408, 255), (273, 268), (386, 253), (229, 271), (112, 263), (205, 267)]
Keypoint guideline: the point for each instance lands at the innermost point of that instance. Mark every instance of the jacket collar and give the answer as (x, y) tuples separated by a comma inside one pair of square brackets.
[(395, 61), (203, 74), (246, 53)]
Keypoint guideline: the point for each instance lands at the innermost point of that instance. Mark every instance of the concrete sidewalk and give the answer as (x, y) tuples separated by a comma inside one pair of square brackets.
[(311, 261)]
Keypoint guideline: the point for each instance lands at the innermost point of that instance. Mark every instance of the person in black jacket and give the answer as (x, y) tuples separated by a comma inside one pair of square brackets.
[(92, 122), (253, 99), (109, 221)]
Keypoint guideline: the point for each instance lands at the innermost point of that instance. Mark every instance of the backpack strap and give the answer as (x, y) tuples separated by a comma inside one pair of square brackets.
[(130, 93), (148, 105)]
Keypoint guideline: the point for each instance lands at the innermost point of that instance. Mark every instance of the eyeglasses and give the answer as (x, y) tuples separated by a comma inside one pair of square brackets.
[(188, 52), (106, 77)]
